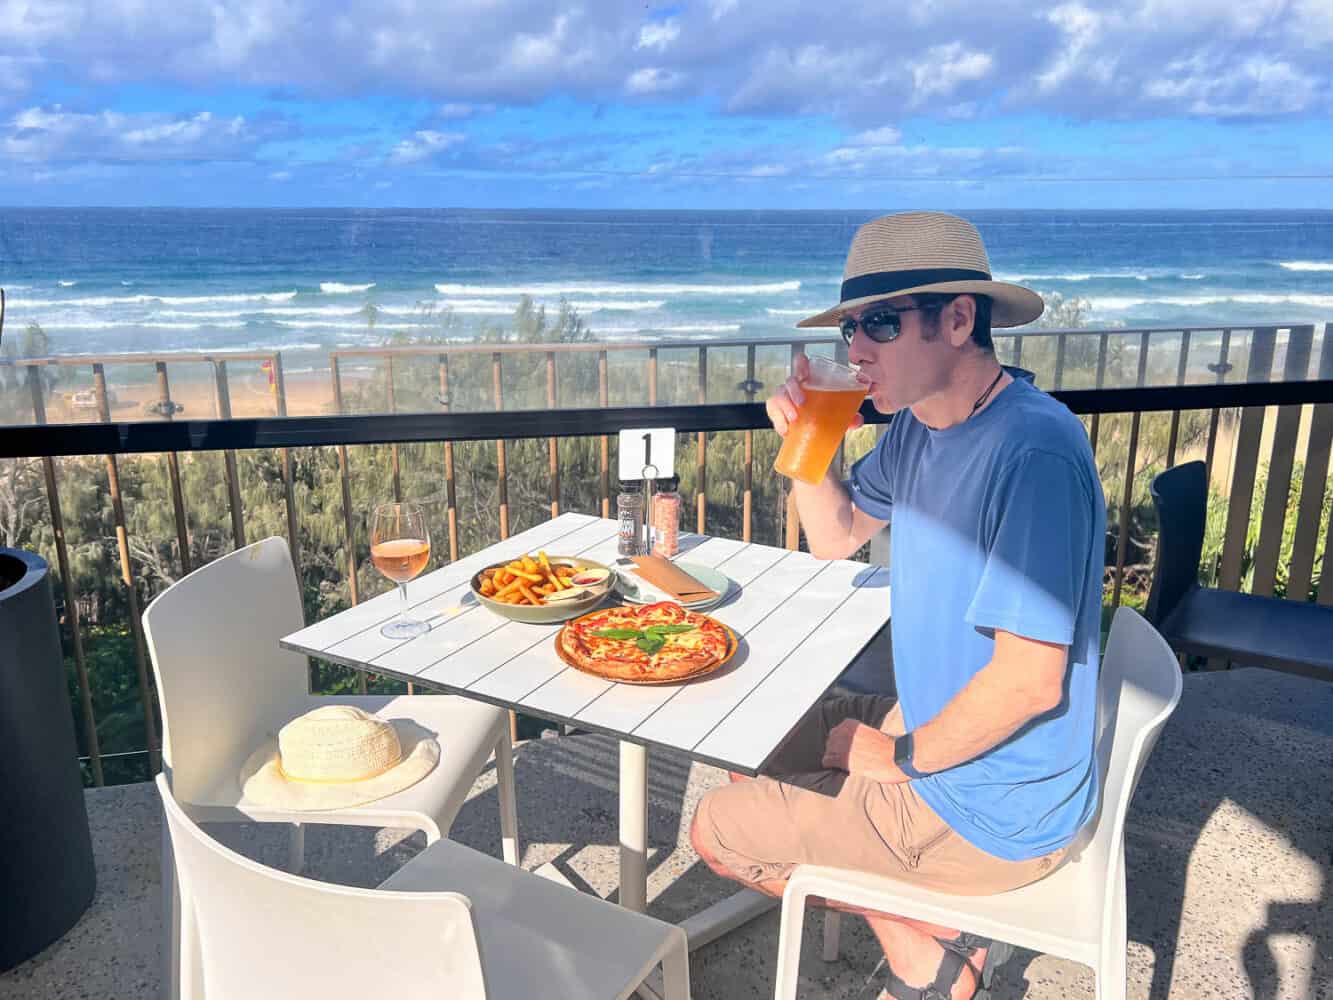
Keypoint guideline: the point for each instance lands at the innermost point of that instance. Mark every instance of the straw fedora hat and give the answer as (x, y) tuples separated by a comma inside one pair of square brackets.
[(924, 252), (337, 757)]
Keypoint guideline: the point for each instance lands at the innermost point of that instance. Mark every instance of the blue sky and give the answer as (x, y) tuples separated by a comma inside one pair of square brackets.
[(708, 104)]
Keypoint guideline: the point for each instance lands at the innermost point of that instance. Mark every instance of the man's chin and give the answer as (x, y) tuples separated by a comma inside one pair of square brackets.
[(883, 404)]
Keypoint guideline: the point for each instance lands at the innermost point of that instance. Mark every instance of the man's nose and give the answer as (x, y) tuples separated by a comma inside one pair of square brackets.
[(859, 351)]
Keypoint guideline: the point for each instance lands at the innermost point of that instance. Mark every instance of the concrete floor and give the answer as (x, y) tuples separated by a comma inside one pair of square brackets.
[(1228, 851)]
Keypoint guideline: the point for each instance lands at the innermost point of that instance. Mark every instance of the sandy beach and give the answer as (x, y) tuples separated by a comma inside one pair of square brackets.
[(307, 394)]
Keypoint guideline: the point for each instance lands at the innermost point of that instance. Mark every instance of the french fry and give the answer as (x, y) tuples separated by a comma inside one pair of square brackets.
[(523, 574), (503, 577), (543, 589), (488, 587), (554, 580), (529, 564), (531, 597), (546, 563), (509, 588)]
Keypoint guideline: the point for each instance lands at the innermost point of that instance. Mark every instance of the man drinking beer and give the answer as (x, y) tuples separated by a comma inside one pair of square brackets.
[(976, 779)]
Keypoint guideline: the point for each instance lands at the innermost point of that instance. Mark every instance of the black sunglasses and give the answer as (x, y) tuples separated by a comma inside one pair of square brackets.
[(881, 326)]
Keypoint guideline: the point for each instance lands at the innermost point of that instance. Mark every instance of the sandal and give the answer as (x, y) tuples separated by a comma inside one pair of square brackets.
[(958, 954)]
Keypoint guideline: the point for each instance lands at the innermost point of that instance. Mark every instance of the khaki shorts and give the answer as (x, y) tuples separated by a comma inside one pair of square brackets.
[(801, 813)]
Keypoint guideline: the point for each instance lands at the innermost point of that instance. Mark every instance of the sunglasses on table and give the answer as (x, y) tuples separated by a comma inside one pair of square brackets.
[(881, 325)]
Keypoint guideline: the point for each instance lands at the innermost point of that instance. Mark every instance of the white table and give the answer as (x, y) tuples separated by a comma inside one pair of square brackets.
[(801, 621)]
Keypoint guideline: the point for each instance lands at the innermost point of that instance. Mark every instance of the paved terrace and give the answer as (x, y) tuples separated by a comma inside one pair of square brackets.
[(1229, 862)]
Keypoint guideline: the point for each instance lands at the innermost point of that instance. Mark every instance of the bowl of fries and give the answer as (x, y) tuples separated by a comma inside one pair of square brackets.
[(529, 588)]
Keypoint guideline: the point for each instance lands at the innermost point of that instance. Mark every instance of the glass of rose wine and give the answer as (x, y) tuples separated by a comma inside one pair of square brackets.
[(400, 549)]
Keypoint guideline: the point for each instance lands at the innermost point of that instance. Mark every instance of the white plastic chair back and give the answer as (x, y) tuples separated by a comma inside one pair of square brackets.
[(1140, 686), (213, 638), (265, 934)]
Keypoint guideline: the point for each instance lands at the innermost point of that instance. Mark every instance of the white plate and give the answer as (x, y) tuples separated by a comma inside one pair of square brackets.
[(636, 591)]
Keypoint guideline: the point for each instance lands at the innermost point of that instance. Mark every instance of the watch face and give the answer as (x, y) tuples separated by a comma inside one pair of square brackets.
[(902, 750)]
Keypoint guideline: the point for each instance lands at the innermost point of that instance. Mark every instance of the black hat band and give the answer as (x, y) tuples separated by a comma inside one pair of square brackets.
[(891, 282)]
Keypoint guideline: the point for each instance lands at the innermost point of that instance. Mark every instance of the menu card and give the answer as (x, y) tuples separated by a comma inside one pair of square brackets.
[(671, 579)]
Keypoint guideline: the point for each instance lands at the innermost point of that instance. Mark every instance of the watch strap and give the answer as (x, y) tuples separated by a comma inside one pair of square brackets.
[(903, 749)]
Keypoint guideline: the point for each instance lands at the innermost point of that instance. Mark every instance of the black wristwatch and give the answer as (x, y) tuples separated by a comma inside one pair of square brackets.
[(903, 747)]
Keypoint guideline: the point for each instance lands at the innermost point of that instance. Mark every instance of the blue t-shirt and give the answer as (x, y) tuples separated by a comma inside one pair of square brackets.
[(996, 523)]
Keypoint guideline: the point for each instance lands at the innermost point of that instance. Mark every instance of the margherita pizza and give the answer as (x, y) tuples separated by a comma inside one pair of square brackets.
[(647, 644)]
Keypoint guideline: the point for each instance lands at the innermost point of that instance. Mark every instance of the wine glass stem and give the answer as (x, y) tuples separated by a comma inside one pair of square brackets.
[(402, 591)]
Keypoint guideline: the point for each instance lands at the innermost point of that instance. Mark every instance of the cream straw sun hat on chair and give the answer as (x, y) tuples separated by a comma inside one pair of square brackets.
[(336, 757), (915, 252)]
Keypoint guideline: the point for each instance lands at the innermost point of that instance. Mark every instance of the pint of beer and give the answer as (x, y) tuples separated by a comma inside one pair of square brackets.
[(832, 396)]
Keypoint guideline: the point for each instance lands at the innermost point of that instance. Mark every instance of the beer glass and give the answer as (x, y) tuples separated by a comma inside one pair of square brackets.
[(832, 396)]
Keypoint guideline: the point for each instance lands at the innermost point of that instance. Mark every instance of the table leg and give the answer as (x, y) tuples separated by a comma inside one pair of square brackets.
[(705, 926), (633, 826)]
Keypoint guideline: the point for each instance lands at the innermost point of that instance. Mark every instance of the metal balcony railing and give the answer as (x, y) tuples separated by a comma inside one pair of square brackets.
[(1265, 396)]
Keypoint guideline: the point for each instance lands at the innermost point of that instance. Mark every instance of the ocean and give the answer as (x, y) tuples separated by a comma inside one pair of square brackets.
[(175, 280)]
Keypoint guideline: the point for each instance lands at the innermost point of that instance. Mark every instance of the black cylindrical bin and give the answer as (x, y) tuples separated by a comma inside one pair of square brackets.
[(46, 853)]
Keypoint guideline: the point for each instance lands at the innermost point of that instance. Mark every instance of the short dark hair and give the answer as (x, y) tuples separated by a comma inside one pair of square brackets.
[(933, 302)]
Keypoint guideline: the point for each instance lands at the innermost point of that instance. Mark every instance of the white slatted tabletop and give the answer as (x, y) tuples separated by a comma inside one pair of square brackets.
[(801, 621)]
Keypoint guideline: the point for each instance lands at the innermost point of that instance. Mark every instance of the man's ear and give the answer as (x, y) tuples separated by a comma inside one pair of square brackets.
[(959, 317)]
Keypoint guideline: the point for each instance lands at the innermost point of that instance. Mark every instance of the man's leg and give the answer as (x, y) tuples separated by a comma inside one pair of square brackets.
[(910, 946)]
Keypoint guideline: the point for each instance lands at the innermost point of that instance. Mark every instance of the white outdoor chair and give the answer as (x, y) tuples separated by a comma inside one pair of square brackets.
[(1077, 912), (452, 923), (225, 686)]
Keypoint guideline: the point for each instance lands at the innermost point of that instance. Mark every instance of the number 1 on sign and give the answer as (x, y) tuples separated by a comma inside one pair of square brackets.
[(647, 453)]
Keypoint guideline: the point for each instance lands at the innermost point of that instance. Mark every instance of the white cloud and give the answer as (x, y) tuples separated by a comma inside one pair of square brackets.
[(1312, 23), (945, 67), (54, 134), (947, 58), (652, 80), (1257, 87), (884, 136), (280, 175), (455, 112), (658, 35), (1081, 28), (423, 144)]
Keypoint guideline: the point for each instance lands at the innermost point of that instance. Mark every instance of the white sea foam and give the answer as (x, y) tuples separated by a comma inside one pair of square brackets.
[(1118, 303), (151, 325), (338, 288), (317, 324), (791, 312), (1075, 276), (478, 307), (611, 331), (1306, 265), (628, 305), (618, 288), (258, 313), (170, 300), (502, 307), (1191, 277), (66, 284)]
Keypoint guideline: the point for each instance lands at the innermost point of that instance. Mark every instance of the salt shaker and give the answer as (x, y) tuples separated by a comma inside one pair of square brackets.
[(666, 519)]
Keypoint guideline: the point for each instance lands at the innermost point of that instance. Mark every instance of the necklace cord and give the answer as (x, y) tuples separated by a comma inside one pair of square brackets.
[(986, 395)]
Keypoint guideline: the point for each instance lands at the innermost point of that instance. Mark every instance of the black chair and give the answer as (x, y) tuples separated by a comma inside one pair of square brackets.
[(1294, 636)]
